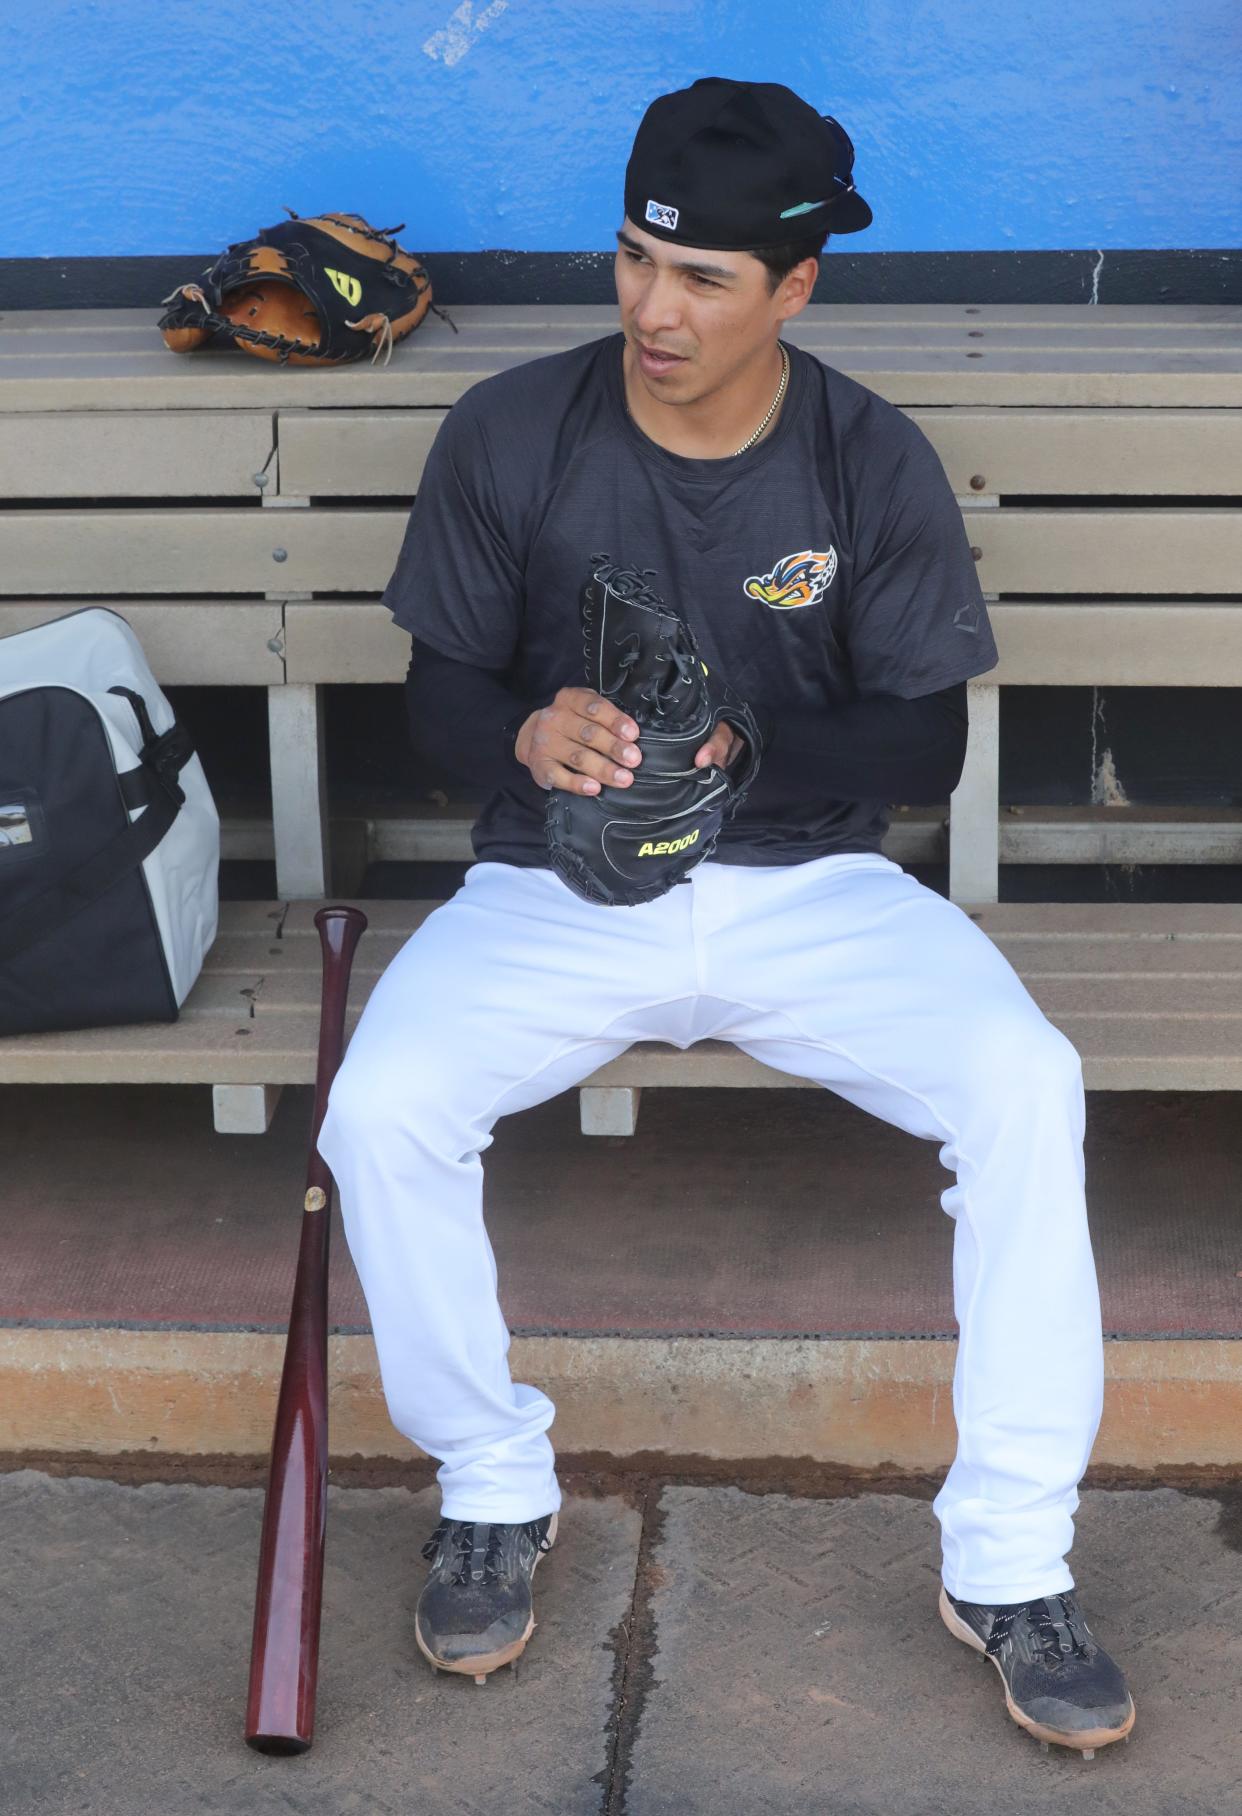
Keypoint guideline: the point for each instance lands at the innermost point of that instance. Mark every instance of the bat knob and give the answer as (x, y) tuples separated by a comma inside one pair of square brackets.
[(340, 928)]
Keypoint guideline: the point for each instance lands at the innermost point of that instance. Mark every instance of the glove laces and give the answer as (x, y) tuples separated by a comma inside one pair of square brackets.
[(626, 582)]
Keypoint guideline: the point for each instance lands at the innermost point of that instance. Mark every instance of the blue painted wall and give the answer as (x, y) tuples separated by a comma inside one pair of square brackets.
[(152, 126)]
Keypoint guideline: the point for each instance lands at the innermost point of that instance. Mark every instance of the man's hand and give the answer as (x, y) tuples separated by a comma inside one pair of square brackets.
[(721, 748), (578, 742)]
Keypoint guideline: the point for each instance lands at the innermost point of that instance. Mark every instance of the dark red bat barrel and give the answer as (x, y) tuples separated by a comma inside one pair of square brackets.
[(284, 1652)]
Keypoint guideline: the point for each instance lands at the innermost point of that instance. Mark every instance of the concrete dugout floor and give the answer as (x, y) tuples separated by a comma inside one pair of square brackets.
[(701, 1648), (705, 1652)]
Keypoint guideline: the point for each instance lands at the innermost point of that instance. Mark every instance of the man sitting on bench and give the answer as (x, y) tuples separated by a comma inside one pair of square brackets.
[(807, 530)]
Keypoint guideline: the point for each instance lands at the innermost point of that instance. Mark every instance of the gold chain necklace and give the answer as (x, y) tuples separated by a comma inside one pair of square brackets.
[(775, 405)]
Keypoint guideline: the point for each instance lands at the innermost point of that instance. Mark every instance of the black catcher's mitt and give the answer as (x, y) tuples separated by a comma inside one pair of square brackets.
[(628, 845), (316, 292)]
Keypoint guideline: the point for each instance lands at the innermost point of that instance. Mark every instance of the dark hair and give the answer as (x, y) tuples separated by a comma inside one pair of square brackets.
[(779, 261)]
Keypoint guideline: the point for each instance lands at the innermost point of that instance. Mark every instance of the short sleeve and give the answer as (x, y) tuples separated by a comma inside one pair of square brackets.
[(458, 583), (917, 620)]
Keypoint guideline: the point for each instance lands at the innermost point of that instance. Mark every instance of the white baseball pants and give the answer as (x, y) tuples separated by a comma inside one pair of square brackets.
[(844, 970)]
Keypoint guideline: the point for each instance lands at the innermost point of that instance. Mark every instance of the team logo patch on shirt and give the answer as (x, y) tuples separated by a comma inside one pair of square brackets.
[(796, 580), (661, 215)]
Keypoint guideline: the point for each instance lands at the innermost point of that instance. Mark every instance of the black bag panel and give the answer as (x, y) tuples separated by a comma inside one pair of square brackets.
[(105, 964), (100, 970)]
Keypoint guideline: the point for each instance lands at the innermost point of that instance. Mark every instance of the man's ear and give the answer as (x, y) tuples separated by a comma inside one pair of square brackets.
[(795, 288)]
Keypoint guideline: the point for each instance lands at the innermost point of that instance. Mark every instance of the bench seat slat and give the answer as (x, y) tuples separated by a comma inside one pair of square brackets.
[(1147, 923), (1047, 964), (1127, 993), (1097, 357), (1138, 1055), (1175, 317), (1101, 1038), (833, 334), (1009, 921), (398, 917), (238, 954), (540, 327), (198, 1049), (1197, 1054), (1114, 987)]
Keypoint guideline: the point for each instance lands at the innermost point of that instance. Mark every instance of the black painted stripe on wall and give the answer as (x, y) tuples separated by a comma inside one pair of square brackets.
[(1178, 275)]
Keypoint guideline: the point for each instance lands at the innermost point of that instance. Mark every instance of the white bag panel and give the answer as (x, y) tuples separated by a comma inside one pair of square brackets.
[(183, 876), (91, 651)]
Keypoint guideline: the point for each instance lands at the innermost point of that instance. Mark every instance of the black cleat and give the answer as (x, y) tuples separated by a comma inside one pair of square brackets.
[(476, 1611), (1060, 1685)]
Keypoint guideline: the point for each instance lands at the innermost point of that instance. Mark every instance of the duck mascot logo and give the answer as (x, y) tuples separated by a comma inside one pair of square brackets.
[(796, 580)]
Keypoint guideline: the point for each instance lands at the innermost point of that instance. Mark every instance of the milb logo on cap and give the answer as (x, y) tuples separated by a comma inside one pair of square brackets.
[(661, 215)]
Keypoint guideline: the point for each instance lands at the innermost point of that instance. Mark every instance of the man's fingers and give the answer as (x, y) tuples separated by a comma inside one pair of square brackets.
[(582, 742), (598, 738), (572, 742), (716, 750), (584, 703), (558, 776), (579, 771)]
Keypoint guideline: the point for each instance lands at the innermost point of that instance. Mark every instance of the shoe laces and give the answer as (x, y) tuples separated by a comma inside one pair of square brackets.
[(461, 1542), (1058, 1637)]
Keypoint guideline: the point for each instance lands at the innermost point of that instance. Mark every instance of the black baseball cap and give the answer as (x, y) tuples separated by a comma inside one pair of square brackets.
[(737, 165)]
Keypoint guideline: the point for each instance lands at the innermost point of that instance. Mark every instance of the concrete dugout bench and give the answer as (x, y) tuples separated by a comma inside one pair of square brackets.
[(242, 517)]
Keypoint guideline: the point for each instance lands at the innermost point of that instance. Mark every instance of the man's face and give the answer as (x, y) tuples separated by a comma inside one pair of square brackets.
[(709, 312)]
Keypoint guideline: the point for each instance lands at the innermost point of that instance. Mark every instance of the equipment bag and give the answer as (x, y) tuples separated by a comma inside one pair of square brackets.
[(109, 838)]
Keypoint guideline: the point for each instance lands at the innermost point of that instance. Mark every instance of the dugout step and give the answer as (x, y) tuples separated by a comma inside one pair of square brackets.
[(762, 1274)]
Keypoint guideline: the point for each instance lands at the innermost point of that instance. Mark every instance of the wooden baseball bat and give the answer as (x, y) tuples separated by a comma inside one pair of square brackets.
[(284, 1650)]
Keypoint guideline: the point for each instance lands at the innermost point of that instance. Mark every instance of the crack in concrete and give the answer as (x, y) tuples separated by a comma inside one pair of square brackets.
[(636, 1647)]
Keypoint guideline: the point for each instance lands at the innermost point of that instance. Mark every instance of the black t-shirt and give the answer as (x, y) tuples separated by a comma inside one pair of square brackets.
[(828, 563)]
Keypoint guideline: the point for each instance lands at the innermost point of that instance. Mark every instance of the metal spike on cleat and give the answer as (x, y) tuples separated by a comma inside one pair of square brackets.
[(1088, 1752), (481, 1680)]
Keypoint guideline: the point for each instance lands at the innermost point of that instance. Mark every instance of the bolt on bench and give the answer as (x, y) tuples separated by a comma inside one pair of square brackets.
[(242, 518)]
